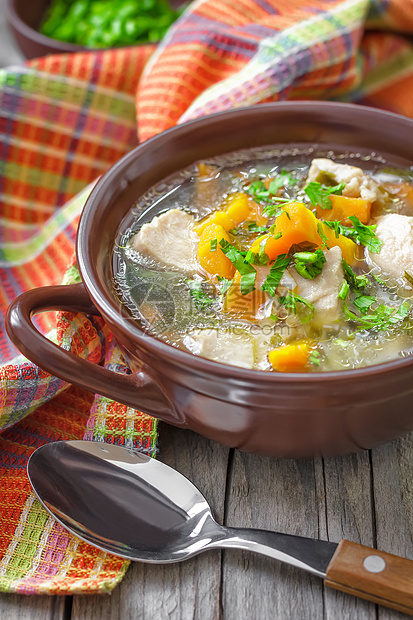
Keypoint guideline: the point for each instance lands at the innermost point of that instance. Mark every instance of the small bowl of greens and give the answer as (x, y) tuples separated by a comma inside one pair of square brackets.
[(43, 27)]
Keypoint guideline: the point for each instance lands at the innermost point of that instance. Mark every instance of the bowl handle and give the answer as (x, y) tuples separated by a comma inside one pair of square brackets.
[(136, 390)]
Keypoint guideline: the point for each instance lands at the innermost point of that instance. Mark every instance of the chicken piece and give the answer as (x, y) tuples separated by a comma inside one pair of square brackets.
[(322, 291), (235, 347), (358, 184), (396, 254), (170, 239)]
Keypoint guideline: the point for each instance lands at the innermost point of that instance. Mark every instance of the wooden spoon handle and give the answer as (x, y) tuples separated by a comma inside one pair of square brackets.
[(377, 576)]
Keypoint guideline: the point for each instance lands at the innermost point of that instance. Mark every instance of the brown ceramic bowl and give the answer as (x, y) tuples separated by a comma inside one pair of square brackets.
[(284, 415)]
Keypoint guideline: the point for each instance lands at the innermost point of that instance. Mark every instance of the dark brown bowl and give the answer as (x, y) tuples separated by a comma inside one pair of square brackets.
[(284, 415)]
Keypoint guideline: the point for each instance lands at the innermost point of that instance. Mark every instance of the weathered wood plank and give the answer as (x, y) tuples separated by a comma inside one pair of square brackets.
[(393, 494), (278, 495), (19, 607), (348, 514), (185, 591)]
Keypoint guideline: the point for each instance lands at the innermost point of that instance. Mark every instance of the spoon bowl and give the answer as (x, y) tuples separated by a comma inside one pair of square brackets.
[(129, 504)]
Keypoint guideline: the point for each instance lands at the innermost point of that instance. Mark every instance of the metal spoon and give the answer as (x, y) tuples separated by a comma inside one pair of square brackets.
[(131, 505)]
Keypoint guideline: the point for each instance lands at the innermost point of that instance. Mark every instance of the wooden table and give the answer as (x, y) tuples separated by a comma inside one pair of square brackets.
[(365, 497)]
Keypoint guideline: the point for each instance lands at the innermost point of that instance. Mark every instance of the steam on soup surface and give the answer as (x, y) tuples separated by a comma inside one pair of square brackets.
[(282, 263)]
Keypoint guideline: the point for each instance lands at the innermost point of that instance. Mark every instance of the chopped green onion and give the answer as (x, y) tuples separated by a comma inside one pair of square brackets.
[(344, 290)]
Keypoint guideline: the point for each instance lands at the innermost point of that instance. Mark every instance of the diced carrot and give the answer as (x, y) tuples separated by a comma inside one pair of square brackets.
[(296, 224), (243, 306), (217, 217), (214, 261), (293, 357), (235, 209), (343, 207), (238, 207)]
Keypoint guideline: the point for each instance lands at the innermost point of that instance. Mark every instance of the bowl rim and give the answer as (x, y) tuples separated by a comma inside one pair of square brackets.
[(184, 358)]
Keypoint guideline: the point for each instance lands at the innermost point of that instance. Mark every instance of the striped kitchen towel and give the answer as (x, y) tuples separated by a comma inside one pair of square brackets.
[(63, 121)]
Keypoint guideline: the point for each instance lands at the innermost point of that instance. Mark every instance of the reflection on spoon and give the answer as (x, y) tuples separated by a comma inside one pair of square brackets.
[(127, 503)]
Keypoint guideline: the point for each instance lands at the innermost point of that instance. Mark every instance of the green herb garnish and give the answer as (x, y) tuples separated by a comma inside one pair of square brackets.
[(363, 303), (290, 301), (276, 272), (275, 210), (309, 264), (315, 358), (253, 227), (365, 235), (361, 233), (322, 235), (268, 197), (281, 180), (258, 258), (383, 317), (202, 300), (345, 287), (214, 243), (224, 286), (319, 194), (356, 282), (237, 258)]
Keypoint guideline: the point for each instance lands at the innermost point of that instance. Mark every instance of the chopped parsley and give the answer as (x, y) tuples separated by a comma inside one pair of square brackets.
[(202, 300), (360, 233), (224, 286), (382, 318), (275, 210), (322, 235), (319, 194), (290, 301), (309, 264), (276, 272), (268, 197), (237, 258), (260, 257), (281, 180), (379, 280), (356, 282), (363, 303), (253, 227), (214, 243)]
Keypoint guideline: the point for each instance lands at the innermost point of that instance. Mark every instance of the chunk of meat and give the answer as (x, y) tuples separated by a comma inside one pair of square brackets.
[(358, 184), (322, 291), (171, 240), (396, 254), (235, 347)]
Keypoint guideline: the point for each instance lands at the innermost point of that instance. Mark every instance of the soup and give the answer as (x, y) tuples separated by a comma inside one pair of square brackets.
[(279, 261)]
